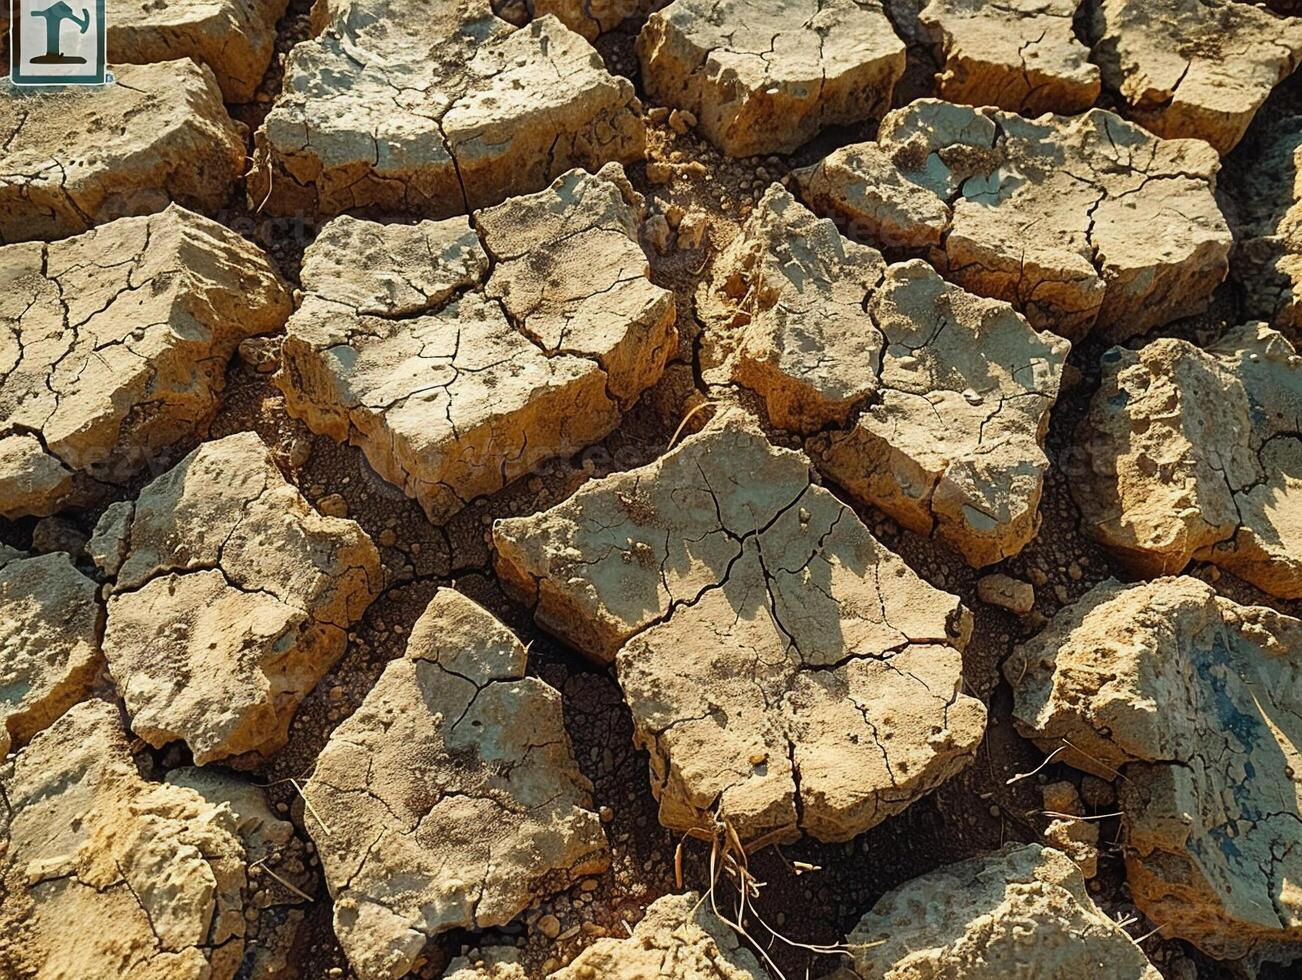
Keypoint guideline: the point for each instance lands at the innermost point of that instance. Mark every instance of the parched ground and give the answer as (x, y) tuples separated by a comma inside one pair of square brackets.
[(698, 201)]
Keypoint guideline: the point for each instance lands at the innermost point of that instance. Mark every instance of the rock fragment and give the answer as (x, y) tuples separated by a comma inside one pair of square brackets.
[(679, 938), (1189, 702), (109, 875), (785, 671), (1191, 453), (113, 348), (1021, 911), (78, 157), (50, 658), (1054, 215), (924, 400), (436, 111), (1267, 261), (451, 796), (455, 381), (1007, 592), (1194, 68), (493, 963), (1022, 56), (235, 38), (591, 18), (765, 78), (231, 598)]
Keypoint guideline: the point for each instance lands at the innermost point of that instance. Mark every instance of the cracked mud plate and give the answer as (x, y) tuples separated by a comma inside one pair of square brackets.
[(451, 797), (921, 399), (230, 598), (113, 348), (1054, 215), (161, 136), (1197, 454), (457, 369), (436, 110), (785, 671), (1190, 702)]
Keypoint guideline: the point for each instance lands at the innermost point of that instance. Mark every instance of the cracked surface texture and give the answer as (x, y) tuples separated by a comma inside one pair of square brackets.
[(1055, 215), (50, 657), (457, 370), (1019, 55), (785, 671), (231, 597), (108, 875), (1189, 453), (1022, 911), (235, 38), (932, 402), (113, 347), (764, 76), (451, 796), (679, 938), (436, 111), (1268, 260), (1194, 68), (160, 135), (1191, 702)]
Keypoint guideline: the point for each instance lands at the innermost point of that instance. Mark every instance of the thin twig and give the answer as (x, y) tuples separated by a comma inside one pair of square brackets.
[(311, 808), (262, 862), (687, 418), (1027, 775)]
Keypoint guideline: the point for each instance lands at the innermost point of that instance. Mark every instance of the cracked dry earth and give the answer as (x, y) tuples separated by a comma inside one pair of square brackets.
[(472, 473)]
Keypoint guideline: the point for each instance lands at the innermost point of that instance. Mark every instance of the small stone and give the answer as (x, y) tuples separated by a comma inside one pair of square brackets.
[(388, 537), (692, 229), (333, 505), (1006, 592), (658, 232), (549, 926)]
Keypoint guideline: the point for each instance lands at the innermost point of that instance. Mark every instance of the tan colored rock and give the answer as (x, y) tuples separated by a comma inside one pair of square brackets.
[(1022, 911), (76, 157), (1190, 702), (109, 875), (785, 671), (1268, 259), (1194, 68), (1054, 215), (1191, 453), (455, 381), (436, 111), (1007, 592), (763, 77), (590, 18), (113, 348), (493, 963), (235, 38), (450, 798), (1021, 55), (1079, 840), (50, 658), (231, 598), (679, 938), (927, 401)]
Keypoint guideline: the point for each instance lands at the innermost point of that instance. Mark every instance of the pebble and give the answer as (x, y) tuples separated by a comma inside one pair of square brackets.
[(680, 121), (333, 505), (549, 926)]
